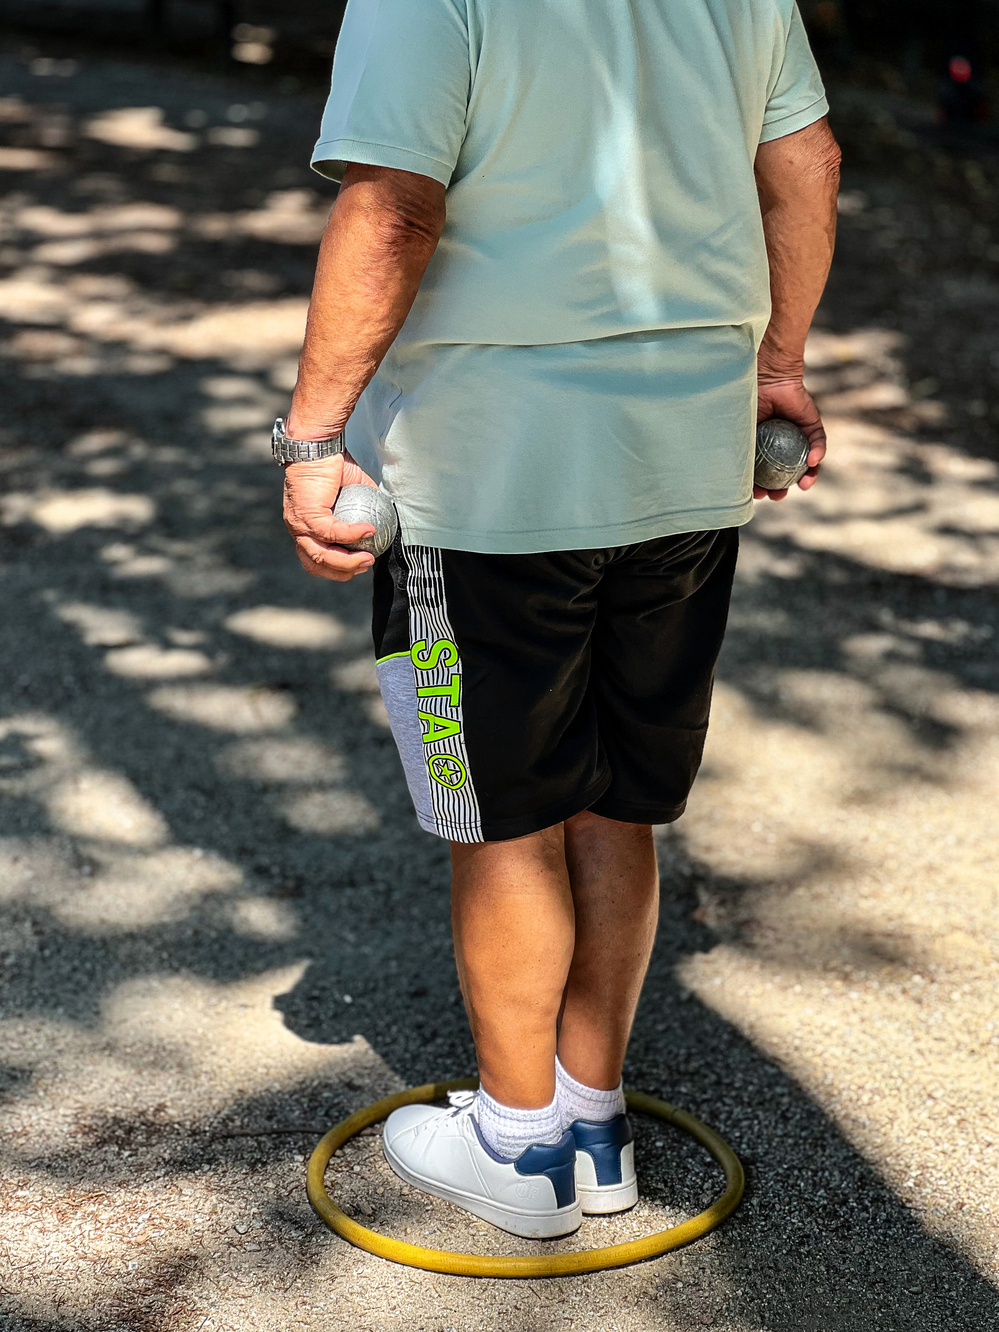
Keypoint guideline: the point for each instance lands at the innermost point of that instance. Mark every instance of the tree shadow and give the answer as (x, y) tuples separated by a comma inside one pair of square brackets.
[(196, 781), (820, 1241), (917, 258)]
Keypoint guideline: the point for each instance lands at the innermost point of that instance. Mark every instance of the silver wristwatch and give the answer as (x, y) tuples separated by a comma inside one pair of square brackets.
[(287, 450)]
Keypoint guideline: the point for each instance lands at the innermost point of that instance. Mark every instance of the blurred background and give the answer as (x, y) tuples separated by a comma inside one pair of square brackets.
[(900, 44), (220, 926)]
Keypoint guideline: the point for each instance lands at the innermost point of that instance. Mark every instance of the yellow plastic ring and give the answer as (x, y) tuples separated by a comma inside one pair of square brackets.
[(562, 1264)]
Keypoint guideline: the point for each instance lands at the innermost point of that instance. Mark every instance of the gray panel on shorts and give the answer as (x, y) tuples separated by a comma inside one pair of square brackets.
[(397, 681)]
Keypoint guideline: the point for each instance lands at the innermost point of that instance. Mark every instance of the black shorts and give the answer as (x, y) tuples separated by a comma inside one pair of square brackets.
[(523, 689)]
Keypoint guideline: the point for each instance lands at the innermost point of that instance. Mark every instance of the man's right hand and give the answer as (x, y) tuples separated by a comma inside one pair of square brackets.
[(310, 491), (790, 399)]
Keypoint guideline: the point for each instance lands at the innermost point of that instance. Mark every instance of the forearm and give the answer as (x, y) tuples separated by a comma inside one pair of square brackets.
[(798, 179), (381, 235)]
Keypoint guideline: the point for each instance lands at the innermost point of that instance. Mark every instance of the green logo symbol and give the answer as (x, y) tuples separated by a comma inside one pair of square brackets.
[(448, 771)]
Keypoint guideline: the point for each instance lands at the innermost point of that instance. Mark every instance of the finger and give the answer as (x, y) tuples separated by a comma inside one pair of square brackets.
[(334, 557), (760, 493), (328, 532), (319, 570), (815, 460), (323, 527), (817, 449), (347, 534)]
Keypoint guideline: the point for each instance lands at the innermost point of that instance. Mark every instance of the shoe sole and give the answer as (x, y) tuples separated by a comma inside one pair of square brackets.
[(537, 1225), (607, 1198)]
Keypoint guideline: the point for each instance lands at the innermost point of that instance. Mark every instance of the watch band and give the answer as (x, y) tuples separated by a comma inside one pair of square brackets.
[(285, 450)]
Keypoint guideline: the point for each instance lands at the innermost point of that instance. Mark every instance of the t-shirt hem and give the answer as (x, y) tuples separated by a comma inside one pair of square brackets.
[(797, 120), (415, 533), (330, 157)]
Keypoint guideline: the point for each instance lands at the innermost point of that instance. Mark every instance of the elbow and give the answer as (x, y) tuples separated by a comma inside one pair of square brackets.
[(404, 210), (803, 164), (414, 224), (832, 162), (827, 159)]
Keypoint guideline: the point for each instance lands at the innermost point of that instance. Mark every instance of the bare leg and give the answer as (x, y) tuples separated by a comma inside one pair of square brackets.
[(512, 919), (615, 891)]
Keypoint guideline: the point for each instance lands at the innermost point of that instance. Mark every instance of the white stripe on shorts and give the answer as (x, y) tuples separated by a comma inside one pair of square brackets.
[(452, 790)]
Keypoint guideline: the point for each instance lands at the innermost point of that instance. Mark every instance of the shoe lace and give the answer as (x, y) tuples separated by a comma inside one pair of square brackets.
[(461, 1102)]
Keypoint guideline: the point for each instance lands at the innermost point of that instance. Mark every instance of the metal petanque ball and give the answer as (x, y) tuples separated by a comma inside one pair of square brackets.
[(781, 454), (365, 504)]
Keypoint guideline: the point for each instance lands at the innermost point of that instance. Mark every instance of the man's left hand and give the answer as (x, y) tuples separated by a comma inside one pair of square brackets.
[(788, 398)]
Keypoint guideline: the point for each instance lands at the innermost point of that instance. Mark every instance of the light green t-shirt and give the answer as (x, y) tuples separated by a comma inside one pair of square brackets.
[(598, 158)]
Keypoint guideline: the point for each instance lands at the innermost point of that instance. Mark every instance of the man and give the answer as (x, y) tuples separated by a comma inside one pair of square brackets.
[(542, 318)]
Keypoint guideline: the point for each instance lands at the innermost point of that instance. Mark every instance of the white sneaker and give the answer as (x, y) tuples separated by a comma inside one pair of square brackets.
[(442, 1152), (605, 1165)]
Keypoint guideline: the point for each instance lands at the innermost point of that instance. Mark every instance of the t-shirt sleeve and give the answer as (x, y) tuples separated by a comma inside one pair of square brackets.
[(797, 98), (399, 95)]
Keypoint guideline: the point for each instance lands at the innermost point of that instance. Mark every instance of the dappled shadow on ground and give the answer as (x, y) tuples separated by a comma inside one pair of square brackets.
[(222, 928)]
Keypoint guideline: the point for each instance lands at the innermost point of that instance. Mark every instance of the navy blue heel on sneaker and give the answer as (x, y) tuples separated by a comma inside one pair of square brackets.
[(605, 1165)]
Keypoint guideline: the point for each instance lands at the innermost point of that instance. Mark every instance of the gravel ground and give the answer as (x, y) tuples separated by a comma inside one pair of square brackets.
[(222, 928)]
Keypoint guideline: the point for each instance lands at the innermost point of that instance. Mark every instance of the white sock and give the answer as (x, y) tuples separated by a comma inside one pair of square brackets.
[(577, 1101), (510, 1132)]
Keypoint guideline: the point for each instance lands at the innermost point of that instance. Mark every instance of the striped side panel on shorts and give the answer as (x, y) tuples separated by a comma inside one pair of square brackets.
[(437, 668)]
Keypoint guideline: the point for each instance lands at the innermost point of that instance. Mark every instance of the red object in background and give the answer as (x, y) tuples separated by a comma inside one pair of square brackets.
[(963, 96), (960, 69)]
